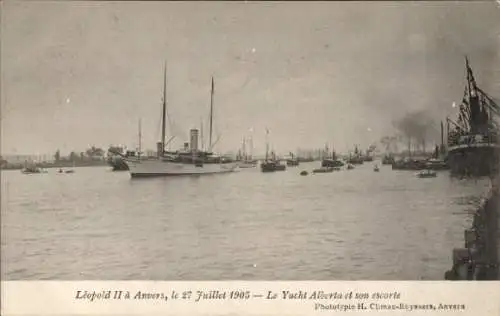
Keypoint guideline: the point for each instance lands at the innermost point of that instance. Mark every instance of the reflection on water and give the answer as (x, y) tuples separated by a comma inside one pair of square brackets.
[(356, 224)]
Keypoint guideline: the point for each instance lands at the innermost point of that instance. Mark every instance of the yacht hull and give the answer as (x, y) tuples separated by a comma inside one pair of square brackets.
[(158, 168)]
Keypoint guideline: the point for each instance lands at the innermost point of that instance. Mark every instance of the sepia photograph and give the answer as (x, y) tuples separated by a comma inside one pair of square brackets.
[(250, 140)]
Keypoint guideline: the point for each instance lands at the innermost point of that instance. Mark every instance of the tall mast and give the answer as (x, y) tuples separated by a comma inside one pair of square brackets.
[(244, 150), (468, 77), (164, 116), (267, 143), (201, 135), (442, 135), (251, 147), (211, 113), (140, 139)]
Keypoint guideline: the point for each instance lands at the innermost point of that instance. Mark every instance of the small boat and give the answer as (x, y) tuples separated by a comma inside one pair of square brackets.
[(350, 166), (324, 170), (304, 173), (71, 170), (68, 170), (376, 168), (271, 162), (427, 174), (31, 170), (268, 166)]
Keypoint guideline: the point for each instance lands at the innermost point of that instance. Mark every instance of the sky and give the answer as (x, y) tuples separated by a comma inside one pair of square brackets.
[(76, 74)]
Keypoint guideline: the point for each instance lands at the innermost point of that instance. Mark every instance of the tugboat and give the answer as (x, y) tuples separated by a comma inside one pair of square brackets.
[(271, 164), (357, 158), (292, 161), (473, 145), (332, 161)]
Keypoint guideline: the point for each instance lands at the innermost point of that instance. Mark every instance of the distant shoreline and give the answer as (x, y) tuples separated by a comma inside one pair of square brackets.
[(60, 164)]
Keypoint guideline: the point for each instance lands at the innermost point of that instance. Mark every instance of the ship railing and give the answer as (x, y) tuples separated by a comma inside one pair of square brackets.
[(468, 139)]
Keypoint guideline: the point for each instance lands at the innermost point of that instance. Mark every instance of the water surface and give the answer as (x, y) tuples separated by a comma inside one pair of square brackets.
[(347, 225)]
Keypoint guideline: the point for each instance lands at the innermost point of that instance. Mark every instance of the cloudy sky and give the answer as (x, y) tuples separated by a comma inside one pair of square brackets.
[(78, 73)]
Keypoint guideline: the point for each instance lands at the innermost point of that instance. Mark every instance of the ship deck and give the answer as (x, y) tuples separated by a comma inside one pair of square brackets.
[(474, 145)]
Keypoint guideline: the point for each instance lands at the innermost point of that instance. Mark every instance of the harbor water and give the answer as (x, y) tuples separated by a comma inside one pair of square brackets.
[(247, 225)]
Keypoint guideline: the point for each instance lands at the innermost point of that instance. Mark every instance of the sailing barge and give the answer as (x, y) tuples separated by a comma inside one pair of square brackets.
[(245, 159), (473, 147)]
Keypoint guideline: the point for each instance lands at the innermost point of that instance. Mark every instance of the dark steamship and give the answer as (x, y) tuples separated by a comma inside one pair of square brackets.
[(473, 147)]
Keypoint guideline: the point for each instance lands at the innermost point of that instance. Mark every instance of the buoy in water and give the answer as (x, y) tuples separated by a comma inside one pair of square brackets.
[(303, 173)]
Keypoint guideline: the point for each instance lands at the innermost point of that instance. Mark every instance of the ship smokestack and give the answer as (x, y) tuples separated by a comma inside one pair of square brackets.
[(186, 146), (194, 139)]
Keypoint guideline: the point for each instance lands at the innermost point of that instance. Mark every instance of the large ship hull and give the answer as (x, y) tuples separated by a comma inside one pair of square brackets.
[(158, 168), (477, 160)]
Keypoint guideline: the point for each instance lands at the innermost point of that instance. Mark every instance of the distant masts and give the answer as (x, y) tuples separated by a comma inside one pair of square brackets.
[(164, 116), (211, 113), (201, 135), (267, 143), (140, 140)]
